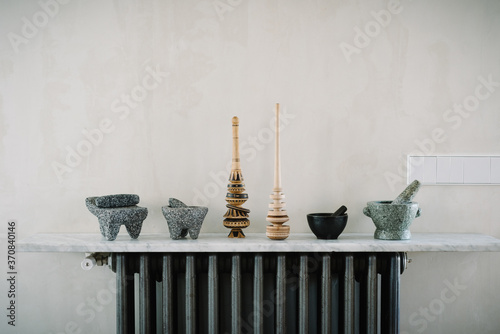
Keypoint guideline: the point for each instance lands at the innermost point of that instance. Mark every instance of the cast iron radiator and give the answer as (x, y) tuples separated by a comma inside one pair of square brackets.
[(258, 292)]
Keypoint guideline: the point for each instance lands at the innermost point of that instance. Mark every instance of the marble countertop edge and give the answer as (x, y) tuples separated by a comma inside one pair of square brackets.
[(258, 242)]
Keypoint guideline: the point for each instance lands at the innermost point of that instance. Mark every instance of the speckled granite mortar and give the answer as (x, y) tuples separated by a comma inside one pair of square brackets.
[(182, 219), (111, 218), (392, 220)]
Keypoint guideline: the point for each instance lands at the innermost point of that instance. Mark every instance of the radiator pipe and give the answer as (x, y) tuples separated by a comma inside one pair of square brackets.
[(236, 295), (147, 303), (281, 294), (390, 294), (371, 294), (258, 295), (190, 295), (213, 295), (303, 295), (125, 319), (326, 295), (167, 294), (349, 294)]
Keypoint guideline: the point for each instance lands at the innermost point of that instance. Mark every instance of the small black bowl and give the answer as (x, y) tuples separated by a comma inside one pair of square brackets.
[(324, 226)]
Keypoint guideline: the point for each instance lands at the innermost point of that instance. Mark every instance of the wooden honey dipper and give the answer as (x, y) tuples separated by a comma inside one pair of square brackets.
[(277, 215)]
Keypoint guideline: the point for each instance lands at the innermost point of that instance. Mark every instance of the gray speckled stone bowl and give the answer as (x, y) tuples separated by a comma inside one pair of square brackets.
[(110, 219), (184, 219), (392, 220)]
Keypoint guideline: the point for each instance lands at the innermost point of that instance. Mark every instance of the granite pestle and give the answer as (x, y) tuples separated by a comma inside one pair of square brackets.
[(117, 201), (407, 195)]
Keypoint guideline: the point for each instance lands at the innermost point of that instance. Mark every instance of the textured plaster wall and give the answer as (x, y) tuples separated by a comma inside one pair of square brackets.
[(363, 84)]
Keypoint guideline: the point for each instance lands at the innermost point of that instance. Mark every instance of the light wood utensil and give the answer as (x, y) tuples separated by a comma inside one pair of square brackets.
[(277, 215)]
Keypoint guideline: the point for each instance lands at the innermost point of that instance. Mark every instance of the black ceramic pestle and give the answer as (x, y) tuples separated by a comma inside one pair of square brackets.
[(407, 195), (340, 211)]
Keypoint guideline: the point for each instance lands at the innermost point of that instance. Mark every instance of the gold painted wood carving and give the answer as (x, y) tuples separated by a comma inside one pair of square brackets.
[(277, 215), (236, 217)]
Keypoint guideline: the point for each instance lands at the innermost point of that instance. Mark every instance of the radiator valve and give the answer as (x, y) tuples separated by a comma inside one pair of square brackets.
[(93, 259)]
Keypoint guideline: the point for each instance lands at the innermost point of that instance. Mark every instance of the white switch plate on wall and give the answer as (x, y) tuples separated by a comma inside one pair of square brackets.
[(443, 170), (495, 170)]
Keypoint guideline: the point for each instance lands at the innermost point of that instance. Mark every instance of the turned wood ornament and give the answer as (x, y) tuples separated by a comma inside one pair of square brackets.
[(277, 215), (236, 217)]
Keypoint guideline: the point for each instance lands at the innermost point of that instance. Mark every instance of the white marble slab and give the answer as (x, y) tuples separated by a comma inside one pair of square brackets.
[(258, 242)]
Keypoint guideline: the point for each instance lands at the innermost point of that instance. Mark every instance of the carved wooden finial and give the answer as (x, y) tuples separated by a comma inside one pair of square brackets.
[(236, 217)]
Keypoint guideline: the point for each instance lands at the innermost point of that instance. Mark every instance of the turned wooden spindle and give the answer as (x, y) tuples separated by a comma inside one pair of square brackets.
[(277, 215), (236, 217)]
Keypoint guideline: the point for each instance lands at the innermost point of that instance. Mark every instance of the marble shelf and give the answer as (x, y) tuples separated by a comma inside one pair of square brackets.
[(258, 242)]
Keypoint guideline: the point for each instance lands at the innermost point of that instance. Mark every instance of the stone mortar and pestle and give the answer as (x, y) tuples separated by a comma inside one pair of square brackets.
[(112, 211), (393, 218), (328, 225), (183, 219)]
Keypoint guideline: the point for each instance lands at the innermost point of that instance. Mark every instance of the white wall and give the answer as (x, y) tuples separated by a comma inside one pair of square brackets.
[(352, 119)]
